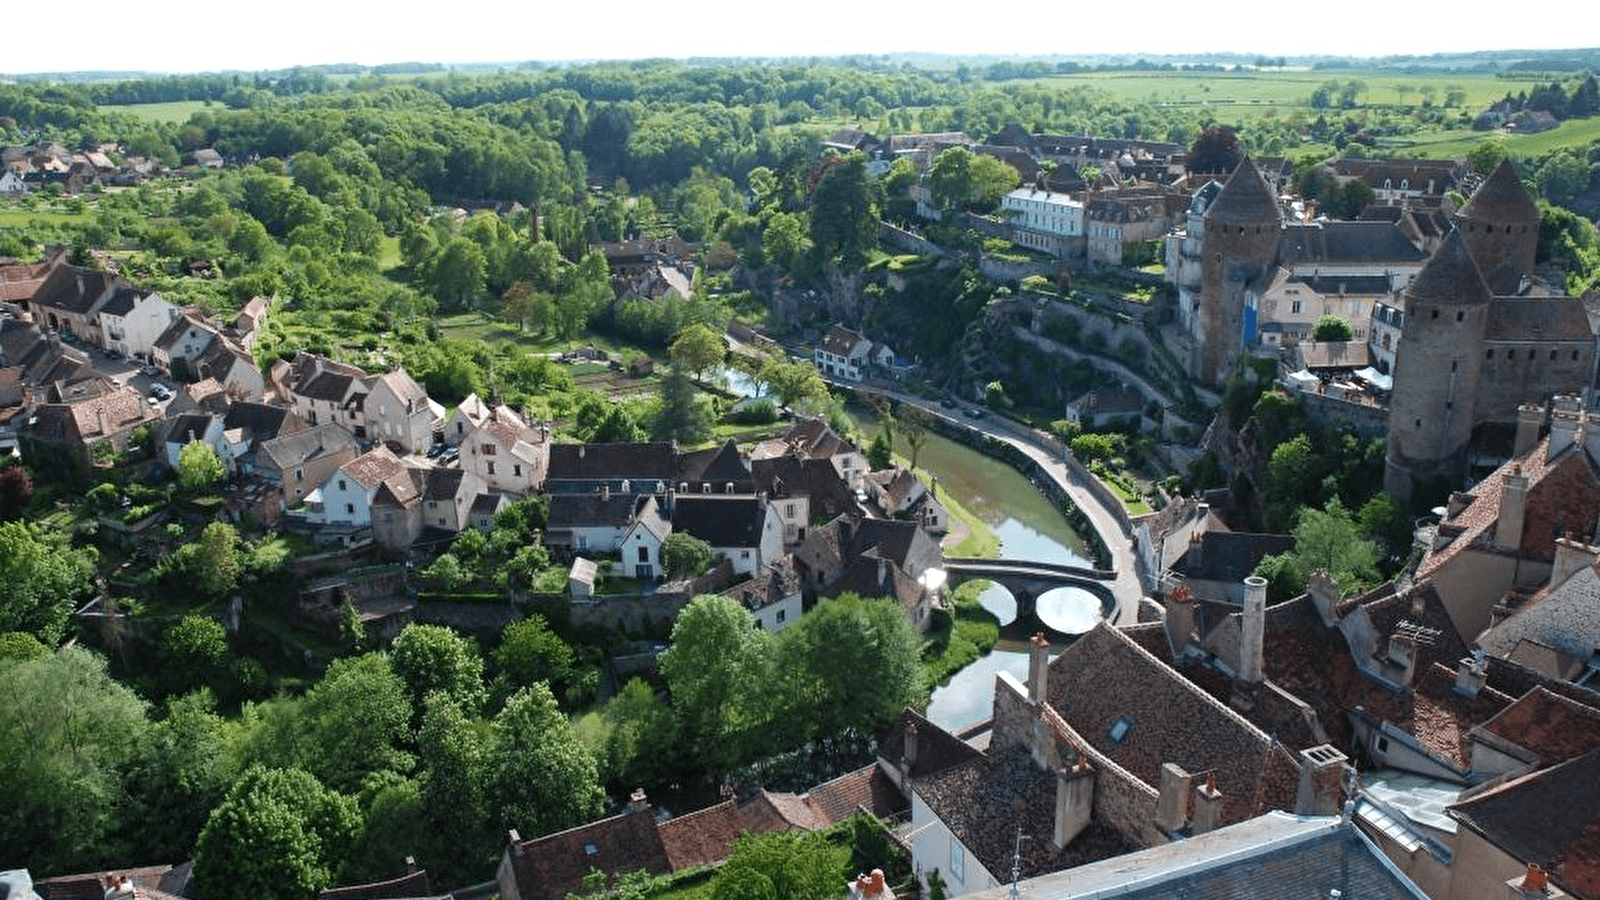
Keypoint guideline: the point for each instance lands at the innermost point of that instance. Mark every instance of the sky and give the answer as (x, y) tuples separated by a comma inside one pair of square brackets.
[(196, 37)]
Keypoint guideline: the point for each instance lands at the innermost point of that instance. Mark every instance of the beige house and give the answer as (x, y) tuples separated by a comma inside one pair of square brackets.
[(506, 453), (399, 412), (301, 461)]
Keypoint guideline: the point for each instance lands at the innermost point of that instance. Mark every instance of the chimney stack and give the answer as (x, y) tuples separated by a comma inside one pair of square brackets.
[(1324, 591), (1172, 803), (1254, 624), (605, 492), (1179, 618), (1564, 420), (515, 840), (1403, 653), (1530, 420), (908, 752), (1534, 884), (100, 420), (1207, 806), (1571, 555), (1038, 668), (1471, 674), (1074, 801), (1322, 773), (1513, 509), (637, 801)]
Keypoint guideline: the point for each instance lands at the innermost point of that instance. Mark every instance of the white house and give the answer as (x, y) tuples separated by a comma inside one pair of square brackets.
[(207, 429), (508, 454), (132, 320), (641, 546), (1047, 221), (844, 353), (745, 529), (345, 498), (11, 182), (321, 390), (398, 410)]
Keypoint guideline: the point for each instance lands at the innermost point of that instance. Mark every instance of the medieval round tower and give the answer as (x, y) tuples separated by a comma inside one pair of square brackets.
[(1500, 224), (1436, 371), (1242, 229)]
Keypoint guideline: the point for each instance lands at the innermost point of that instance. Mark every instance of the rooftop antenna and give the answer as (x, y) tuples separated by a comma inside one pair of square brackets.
[(1016, 860)]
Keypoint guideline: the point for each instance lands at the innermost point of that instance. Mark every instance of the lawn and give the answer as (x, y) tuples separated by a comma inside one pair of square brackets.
[(22, 217), (174, 111), (1446, 144), (1272, 89)]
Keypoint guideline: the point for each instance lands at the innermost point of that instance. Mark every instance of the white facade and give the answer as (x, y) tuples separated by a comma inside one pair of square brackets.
[(641, 551), (750, 560), (341, 500), (1042, 220), (936, 847), (11, 183), (135, 333), (779, 615)]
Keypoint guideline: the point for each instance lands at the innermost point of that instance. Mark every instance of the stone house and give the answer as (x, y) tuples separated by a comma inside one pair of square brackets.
[(88, 431), (772, 595), (509, 455), (803, 491), (399, 412), (448, 497), (300, 461), (812, 438), (69, 300)]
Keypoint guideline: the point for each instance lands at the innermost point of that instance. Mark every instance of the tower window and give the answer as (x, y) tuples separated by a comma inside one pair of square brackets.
[(1460, 315), (1489, 353), (1417, 424), (1435, 314)]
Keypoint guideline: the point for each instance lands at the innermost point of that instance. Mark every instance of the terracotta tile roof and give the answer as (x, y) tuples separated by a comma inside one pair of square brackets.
[(768, 586), (866, 788), (412, 884), (1551, 727), (1550, 818), (1104, 678), (937, 749), (985, 800), (379, 467), (703, 837), (553, 866), (767, 811), (82, 421), (1563, 494)]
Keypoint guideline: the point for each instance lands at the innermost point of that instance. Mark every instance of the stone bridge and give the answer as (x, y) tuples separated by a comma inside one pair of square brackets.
[(1026, 579)]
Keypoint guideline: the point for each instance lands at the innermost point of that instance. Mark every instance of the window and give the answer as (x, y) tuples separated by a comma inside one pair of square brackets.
[(783, 614), (459, 428), (1434, 314), (350, 508), (644, 553), (788, 510), (1460, 315), (441, 522), (1119, 729), (341, 484), (299, 474), (516, 469), (958, 860), (488, 449), (490, 464), (1294, 307), (744, 554), (1489, 353), (1383, 744)]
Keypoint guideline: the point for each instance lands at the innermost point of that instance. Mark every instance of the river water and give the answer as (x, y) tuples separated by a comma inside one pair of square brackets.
[(1028, 527)]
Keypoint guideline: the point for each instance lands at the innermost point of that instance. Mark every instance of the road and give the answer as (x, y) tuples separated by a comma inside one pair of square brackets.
[(1043, 450)]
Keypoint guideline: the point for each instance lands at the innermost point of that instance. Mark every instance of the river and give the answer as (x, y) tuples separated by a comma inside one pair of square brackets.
[(1028, 527)]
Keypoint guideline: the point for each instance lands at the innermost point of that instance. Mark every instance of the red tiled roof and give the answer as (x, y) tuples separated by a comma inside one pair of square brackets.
[(703, 837), (1552, 727)]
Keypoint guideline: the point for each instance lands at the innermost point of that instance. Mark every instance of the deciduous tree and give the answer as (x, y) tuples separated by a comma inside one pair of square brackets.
[(431, 658), (684, 555), (278, 835), (541, 778), (41, 578)]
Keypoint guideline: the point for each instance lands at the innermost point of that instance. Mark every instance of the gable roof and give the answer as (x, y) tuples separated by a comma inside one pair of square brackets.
[(1539, 319), (655, 461), (553, 866), (721, 520), (1550, 818), (841, 341), (1229, 555), (91, 418), (1564, 618), (717, 466), (1105, 677), (73, 289), (1551, 727), (262, 421), (568, 511), (1358, 241), (296, 448)]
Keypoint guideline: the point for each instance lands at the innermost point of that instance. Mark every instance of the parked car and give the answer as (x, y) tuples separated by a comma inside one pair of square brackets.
[(947, 403), (450, 456), (974, 412), (149, 370)]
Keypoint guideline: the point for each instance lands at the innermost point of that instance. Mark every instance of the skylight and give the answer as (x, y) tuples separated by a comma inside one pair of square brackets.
[(1120, 729)]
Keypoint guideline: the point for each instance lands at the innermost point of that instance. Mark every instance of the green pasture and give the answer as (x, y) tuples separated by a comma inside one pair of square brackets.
[(1445, 144), (22, 217), (173, 111), (1282, 90)]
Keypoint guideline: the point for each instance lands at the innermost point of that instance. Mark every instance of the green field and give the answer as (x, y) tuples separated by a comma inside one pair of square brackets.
[(175, 111), (20, 217), (1280, 90), (1571, 133)]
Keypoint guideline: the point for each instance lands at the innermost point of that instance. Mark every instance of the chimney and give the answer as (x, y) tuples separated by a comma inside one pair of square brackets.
[(1571, 556), (100, 419), (1513, 507), (1534, 884), (637, 801), (1459, 500), (1322, 773), (1563, 429), (1207, 806), (1172, 803), (1179, 618), (1196, 552), (1074, 802), (1250, 634), (1530, 419), (605, 492), (908, 752), (1324, 591), (1471, 673), (1038, 668), (515, 840), (1403, 653), (411, 865)]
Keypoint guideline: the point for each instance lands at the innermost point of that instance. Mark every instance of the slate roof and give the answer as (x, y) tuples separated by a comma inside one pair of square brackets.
[(720, 520), (1449, 276), (1104, 676), (1537, 319), (289, 450), (568, 511), (1229, 555), (1500, 199), (443, 483), (262, 421), (1564, 617), (650, 461), (73, 289), (937, 749), (1245, 199), (1268, 858), (789, 475), (771, 585), (122, 302), (1347, 242), (1551, 727), (1550, 818), (718, 466)]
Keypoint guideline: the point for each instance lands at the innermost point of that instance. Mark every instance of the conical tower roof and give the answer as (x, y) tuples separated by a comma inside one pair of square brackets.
[(1450, 276), (1501, 199), (1246, 199)]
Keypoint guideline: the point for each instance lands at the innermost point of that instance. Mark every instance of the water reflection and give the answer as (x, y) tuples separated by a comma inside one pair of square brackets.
[(1069, 610)]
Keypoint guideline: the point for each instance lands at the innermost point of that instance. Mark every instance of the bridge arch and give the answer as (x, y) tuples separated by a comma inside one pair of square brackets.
[(1027, 580)]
